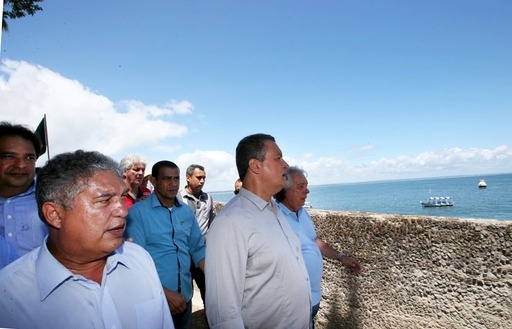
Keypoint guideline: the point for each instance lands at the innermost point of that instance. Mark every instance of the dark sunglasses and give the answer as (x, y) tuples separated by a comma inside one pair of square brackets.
[(236, 192)]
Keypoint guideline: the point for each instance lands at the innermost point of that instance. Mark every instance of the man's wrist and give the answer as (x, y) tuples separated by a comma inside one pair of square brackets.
[(339, 255)]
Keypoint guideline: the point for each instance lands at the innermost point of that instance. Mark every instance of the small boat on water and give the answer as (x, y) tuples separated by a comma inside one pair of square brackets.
[(482, 184), (307, 205), (443, 201)]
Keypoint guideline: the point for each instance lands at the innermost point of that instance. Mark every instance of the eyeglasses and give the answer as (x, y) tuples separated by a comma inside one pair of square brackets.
[(236, 192)]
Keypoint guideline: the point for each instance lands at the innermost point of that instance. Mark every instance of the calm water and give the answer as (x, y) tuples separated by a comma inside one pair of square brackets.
[(403, 197)]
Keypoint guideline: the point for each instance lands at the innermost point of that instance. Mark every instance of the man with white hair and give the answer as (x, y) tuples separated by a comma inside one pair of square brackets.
[(134, 167)]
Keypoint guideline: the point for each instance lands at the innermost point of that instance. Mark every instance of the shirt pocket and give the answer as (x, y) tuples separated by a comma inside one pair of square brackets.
[(149, 314)]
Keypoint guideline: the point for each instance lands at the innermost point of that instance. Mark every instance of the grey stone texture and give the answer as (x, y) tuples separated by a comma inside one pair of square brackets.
[(417, 272)]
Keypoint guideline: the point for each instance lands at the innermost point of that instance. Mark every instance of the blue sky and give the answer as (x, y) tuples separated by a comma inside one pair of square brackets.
[(351, 90)]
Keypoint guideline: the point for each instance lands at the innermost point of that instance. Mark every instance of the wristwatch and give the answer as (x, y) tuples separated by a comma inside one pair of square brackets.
[(340, 254)]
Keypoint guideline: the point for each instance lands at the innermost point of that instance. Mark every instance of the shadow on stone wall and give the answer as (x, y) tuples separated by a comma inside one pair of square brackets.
[(349, 321)]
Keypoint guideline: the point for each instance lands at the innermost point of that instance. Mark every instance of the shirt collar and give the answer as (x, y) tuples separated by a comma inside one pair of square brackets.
[(288, 212), (155, 201), (258, 202), (50, 273)]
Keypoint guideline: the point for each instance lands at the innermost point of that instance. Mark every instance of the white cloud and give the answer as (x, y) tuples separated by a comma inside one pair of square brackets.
[(79, 118)]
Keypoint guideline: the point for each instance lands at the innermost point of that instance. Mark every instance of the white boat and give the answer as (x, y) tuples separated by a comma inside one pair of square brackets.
[(482, 184), (443, 201), (307, 205)]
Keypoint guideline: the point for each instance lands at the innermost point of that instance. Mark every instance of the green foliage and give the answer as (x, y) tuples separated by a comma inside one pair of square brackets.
[(19, 8)]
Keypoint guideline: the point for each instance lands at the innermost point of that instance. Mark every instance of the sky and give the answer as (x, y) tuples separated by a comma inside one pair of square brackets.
[(353, 91)]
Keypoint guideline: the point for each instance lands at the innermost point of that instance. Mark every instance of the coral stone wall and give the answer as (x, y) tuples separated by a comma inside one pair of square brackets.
[(418, 272)]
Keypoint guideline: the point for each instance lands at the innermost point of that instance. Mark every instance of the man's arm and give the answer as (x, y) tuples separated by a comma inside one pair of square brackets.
[(225, 264), (330, 252), (134, 228), (176, 301)]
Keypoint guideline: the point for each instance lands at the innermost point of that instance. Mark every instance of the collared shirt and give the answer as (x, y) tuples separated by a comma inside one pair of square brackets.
[(20, 223), (142, 193), (304, 228), (172, 237), (7, 253), (39, 292), (255, 273), (202, 207)]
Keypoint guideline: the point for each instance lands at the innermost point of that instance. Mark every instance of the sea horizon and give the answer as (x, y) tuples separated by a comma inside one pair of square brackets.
[(403, 196)]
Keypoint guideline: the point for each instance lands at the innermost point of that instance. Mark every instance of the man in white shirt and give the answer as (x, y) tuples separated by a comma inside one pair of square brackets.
[(255, 272), (83, 275)]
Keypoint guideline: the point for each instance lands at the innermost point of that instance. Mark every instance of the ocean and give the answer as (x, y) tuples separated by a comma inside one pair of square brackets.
[(403, 197)]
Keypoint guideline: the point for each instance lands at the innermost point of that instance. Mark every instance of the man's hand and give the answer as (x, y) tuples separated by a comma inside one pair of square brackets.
[(351, 263), (176, 301)]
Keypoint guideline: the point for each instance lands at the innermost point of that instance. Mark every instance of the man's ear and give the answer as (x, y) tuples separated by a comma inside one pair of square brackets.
[(152, 180), (255, 165), (52, 213)]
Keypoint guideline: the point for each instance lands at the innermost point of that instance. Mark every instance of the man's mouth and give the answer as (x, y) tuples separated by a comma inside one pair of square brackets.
[(118, 230)]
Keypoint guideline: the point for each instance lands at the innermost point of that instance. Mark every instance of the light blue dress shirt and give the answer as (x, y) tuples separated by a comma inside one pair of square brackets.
[(304, 228), (37, 291), (172, 238), (7, 253), (20, 224)]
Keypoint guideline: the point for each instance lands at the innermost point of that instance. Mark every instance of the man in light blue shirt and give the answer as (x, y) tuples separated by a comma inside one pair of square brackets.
[(83, 275), (291, 200), (7, 253), (19, 221), (167, 228)]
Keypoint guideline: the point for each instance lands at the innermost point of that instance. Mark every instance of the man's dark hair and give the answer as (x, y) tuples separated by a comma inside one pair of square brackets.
[(67, 175), (8, 129), (251, 147), (162, 164), (191, 168)]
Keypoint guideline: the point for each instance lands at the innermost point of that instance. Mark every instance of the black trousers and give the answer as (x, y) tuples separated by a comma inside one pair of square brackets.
[(198, 277)]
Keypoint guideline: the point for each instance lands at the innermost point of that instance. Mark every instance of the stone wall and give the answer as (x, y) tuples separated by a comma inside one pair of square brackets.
[(418, 272)]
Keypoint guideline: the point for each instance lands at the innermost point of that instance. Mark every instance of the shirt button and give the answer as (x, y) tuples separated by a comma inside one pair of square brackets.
[(9, 216), (9, 235)]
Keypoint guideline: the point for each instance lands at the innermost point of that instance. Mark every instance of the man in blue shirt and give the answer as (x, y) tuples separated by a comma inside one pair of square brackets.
[(291, 200), (7, 253), (167, 228), (83, 275), (19, 221)]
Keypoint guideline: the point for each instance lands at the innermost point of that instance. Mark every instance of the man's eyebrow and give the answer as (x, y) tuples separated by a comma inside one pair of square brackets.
[(105, 194), (14, 153)]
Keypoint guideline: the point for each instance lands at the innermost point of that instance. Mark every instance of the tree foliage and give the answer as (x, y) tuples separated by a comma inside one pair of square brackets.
[(19, 8)]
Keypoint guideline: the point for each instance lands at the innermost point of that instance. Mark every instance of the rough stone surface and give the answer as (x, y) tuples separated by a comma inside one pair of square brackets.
[(418, 272)]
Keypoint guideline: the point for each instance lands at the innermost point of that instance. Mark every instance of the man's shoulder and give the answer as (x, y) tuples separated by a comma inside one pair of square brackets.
[(132, 250), (21, 270), (182, 206), (146, 204)]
